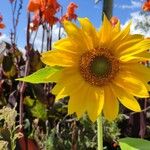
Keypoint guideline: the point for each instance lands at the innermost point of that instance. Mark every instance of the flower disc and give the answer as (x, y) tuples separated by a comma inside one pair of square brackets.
[(98, 67)]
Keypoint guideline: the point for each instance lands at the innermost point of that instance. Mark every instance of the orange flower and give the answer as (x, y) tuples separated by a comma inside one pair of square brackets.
[(54, 4), (2, 25), (36, 21), (71, 10), (146, 6), (34, 5), (113, 20), (46, 8), (52, 20), (70, 14), (65, 17)]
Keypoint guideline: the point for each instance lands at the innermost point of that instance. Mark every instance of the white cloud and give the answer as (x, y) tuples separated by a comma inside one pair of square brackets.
[(5, 38), (134, 5), (140, 24), (38, 40)]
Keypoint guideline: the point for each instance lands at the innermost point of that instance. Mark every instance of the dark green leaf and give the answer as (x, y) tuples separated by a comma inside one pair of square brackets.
[(7, 63)]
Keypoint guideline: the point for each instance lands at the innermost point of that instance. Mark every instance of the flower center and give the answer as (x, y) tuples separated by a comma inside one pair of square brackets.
[(99, 66)]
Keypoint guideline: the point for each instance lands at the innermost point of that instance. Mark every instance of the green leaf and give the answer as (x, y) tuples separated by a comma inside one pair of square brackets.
[(41, 76), (38, 109), (134, 144), (28, 101)]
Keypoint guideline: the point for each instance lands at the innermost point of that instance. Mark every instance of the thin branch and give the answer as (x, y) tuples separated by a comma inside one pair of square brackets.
[(51, 36), (22, 86), (34, 37), (43, 37), (59, 33), (48, 37), (143, 110)]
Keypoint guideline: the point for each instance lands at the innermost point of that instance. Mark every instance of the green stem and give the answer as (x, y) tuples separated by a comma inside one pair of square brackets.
[(100, 133)]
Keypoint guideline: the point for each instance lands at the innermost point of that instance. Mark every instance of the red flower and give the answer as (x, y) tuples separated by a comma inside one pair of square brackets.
[(70, 14), (146, 6)]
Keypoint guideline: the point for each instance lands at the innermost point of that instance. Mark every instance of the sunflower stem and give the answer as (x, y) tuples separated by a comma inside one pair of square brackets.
[(100, 132)]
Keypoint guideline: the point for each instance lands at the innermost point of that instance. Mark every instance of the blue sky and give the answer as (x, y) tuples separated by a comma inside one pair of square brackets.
[(123, 9)]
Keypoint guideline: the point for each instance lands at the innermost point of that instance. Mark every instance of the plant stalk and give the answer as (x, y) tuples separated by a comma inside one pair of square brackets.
[(108, 8), (100, 132)]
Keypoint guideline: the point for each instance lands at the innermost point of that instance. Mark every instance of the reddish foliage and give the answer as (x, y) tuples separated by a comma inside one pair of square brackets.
[(70, 14), (146, 6), (27, 144)]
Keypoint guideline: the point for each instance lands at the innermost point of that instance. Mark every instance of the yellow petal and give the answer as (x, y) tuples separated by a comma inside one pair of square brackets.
[(59, 58), (59, 91), (144, 56), (67, 87), (121, 35), (129, 42), (90, 30), (116, 28), (77, 35), (77, 101), (135, 49), (111, 105), (139, 70), (68, 44), (69, 82), (105, 32), (131, 84), (126, 99), (95, 102)]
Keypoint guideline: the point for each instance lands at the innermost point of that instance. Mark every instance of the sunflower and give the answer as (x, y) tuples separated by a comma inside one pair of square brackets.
[(99, 68)]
